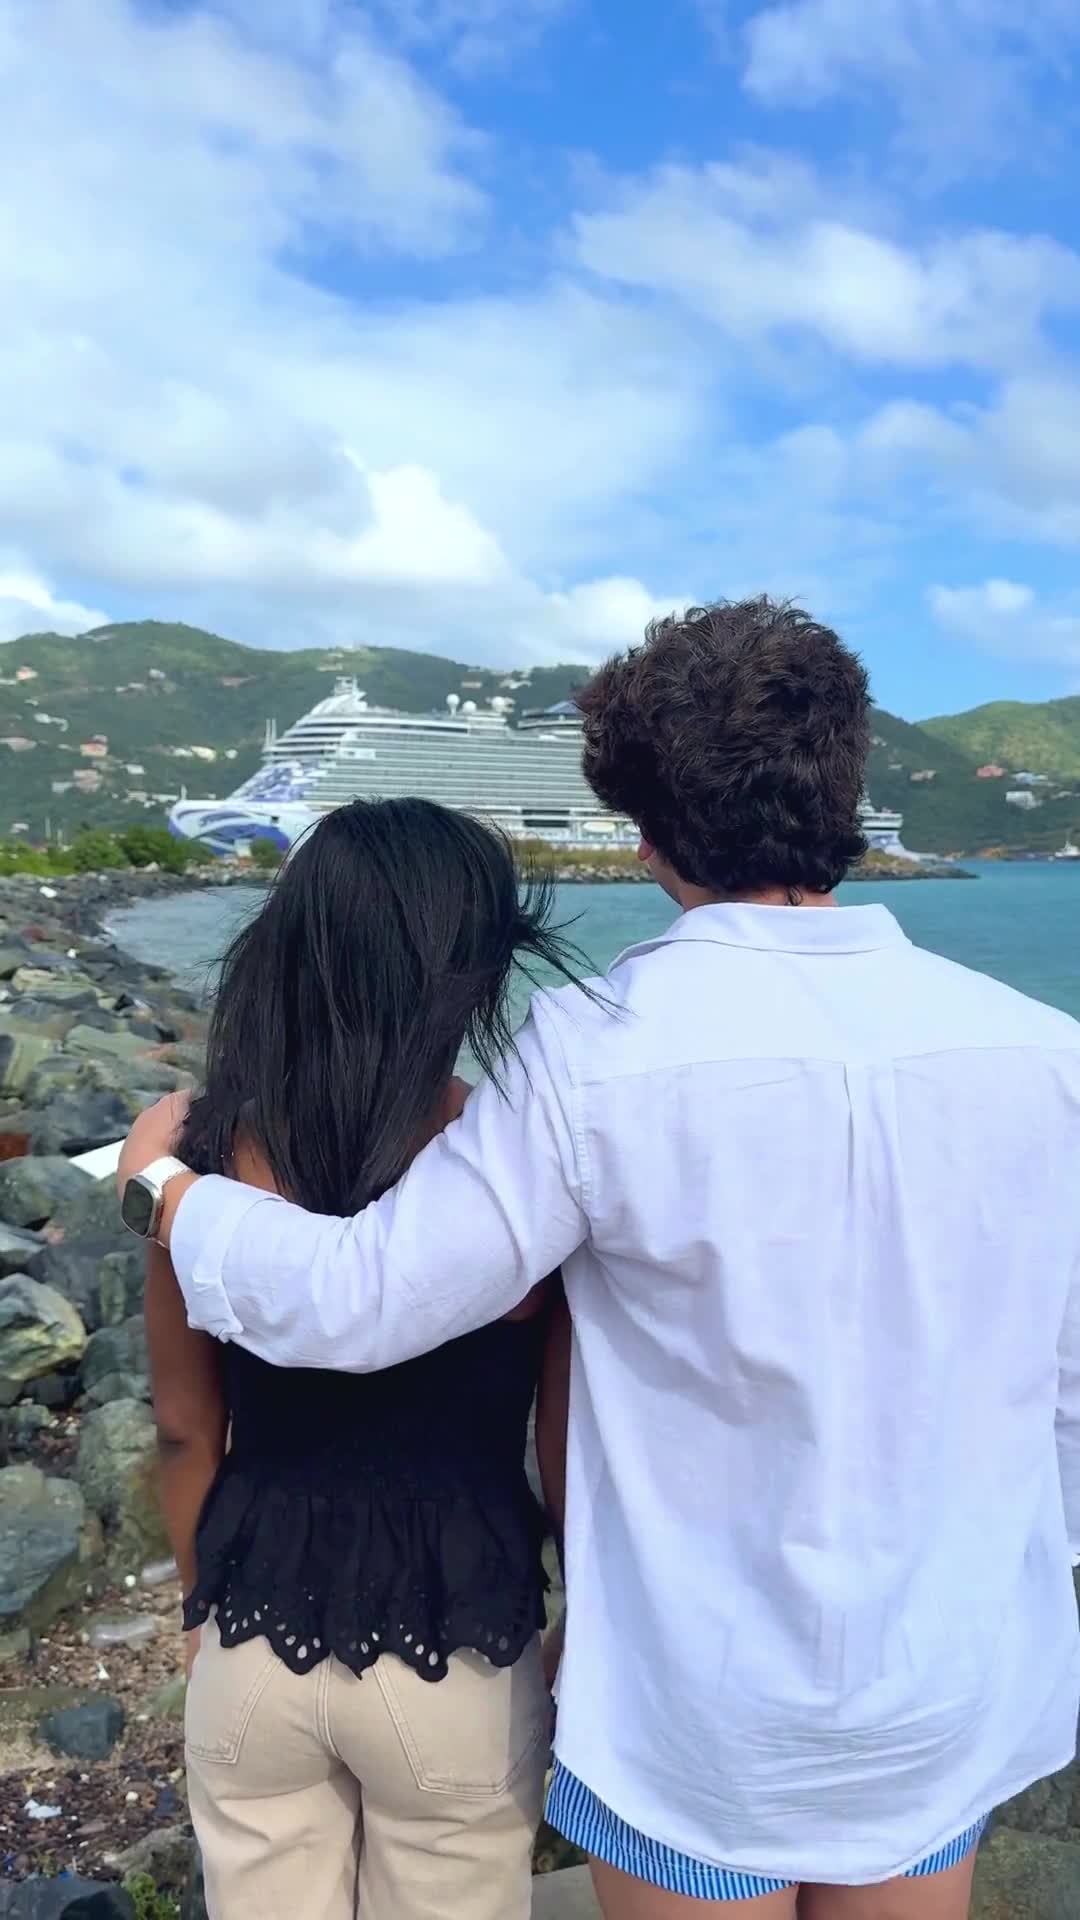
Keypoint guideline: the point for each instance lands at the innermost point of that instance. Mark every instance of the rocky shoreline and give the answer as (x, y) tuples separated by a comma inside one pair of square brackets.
[(91, 1687)]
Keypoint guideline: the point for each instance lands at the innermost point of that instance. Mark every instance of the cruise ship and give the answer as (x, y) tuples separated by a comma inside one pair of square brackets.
[(525, 779)]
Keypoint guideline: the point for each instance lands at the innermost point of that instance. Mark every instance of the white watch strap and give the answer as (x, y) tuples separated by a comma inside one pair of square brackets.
[(160, 1172)]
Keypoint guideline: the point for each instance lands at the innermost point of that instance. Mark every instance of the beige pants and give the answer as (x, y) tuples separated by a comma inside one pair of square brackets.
[(321, 1796)]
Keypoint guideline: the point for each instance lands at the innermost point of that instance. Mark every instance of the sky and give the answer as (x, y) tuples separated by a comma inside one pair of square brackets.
[(496, 327)]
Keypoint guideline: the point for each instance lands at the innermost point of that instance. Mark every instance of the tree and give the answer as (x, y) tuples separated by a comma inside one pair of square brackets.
[(148, 846), (93, 850), (266, 855)]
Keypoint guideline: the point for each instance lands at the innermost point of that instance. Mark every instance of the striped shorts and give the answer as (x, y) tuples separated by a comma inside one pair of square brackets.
[(575, 1812)]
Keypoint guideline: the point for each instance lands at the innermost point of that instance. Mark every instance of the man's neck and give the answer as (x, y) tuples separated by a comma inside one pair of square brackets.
[(690, 897)]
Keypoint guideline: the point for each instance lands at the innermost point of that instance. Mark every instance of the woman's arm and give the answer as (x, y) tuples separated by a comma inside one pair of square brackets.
[(189, 1408)]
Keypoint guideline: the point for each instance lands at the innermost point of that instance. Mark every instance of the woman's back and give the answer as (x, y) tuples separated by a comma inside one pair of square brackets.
[(356, 1515)]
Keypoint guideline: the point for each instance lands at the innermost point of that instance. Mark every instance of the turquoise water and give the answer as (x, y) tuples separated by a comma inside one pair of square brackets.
[(1020, 922)]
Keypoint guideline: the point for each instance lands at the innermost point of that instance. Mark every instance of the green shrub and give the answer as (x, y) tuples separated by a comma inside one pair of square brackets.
[(266, 855), (93, 850), (147, 846), (149, 1904)]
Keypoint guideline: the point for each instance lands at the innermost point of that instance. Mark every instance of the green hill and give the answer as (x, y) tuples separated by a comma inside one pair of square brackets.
[(1041, 737), (107, 727), (154, 692)]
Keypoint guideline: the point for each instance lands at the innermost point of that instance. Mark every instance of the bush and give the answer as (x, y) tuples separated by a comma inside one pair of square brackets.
[(266, 855), (156, 846), (93, 850), (148, 1902)]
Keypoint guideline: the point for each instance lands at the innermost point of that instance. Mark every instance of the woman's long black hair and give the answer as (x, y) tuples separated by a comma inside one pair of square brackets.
[(388, 938)]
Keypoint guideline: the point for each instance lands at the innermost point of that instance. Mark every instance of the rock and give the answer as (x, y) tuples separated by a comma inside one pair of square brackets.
[(21, 1425), (115, 1350), (107, 1902), (43, 1547), (193, 1904), (33, 1189), (104, 1282), (117, 1471), (91, 1213), (39, 1331), (1051, 1806), (67, 1897), (117, 1386), (55, 1391), (20, 1053), (1023, 1876), (78, 1122), (167, 1855), (12, 957), (565, 1896), (115, 1040), (44, 1019), (88, 1732), (14, 1645), (20, 1251)]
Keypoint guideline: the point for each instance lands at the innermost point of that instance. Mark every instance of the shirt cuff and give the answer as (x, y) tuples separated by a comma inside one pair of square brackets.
[(207, 1218)]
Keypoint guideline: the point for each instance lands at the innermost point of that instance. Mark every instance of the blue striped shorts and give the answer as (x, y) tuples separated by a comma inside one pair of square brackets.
[(575, 1812)]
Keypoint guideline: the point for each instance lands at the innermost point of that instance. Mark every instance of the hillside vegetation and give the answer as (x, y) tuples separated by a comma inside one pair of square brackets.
[(96, 732), (1043, 737)]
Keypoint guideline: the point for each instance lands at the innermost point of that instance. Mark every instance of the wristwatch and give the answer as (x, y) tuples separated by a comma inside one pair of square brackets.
[(144, 1195)]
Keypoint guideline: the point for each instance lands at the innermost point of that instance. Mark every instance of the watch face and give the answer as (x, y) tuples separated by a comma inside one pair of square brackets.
[(138, 1206)]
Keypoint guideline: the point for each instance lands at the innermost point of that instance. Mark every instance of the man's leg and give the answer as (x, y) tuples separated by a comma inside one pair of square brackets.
[(624, 1898)]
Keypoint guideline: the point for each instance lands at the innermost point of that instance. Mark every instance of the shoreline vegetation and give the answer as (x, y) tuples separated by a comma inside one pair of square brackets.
[(159, 856)]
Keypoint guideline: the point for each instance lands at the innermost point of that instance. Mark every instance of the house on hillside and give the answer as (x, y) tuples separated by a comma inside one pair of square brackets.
[(1023, 798), (26, 673), (95, 749), (925, 774), (991, 771)]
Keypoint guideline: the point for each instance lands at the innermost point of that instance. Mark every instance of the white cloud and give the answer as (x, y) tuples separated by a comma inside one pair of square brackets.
[(968, 77), (27, 604), (177, 399), (475, 34), (1007, 617), (756, 250)]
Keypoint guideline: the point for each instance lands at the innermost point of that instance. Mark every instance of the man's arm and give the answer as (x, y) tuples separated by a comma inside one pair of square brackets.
[(1068, 1415), (486, 1211)]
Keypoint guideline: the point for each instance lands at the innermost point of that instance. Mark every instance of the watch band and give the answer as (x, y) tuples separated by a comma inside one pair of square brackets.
[(160, 1172)]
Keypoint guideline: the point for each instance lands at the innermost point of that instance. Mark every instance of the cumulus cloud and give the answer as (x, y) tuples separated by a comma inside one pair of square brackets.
[(473, 34), (1008, 617), (756, 250), (27, 604), (190, 405), (968, 78)]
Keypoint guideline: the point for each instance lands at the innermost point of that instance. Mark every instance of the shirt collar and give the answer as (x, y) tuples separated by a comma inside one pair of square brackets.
[(807, 930)]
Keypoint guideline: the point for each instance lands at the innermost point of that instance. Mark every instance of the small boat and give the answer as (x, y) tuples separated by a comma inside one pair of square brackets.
[(1067, 852)]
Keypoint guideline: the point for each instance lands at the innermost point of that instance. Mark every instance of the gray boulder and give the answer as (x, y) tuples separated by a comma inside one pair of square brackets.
[(86, 1732), (44, 1546), (65, 1898), (117, 1470), (103, 1282), (116, 1040), (75, 1123), (20, 1251), (39, 1331), (115, 1350), (117, 1386), (20, 1053), (32, 1190), (167, 1855)]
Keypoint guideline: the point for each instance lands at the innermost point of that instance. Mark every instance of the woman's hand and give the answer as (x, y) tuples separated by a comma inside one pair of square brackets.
[(553, 1649)]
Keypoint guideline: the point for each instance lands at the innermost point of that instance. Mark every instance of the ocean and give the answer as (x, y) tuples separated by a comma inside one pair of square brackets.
[(1019, 921)]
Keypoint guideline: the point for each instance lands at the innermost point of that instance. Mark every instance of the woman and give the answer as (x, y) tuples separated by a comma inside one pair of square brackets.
[(367, 1717)]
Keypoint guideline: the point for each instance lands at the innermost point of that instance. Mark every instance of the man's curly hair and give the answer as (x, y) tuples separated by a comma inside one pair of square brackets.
[(736, 738)]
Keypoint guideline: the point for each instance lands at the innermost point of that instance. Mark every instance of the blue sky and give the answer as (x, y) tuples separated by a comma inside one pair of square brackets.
[(496, 326)]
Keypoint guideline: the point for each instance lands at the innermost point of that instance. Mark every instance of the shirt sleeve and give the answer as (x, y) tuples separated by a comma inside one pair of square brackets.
[(1068, 1415), (488, 1209)]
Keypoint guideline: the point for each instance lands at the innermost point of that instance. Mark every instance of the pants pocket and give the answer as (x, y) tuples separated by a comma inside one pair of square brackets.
[(472, 1733), (224, 1690)]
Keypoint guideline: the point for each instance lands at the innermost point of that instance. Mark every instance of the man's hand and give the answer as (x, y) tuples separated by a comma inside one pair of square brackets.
[(152, 1136)]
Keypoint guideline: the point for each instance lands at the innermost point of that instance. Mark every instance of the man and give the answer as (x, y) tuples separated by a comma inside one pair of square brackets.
[(814, 1195)]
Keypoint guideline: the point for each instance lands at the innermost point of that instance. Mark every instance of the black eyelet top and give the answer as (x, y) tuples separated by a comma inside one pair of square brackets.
[(360, 1514)]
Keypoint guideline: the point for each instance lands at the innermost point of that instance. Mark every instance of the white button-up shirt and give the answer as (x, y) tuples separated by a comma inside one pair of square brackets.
[(816, 1197)]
